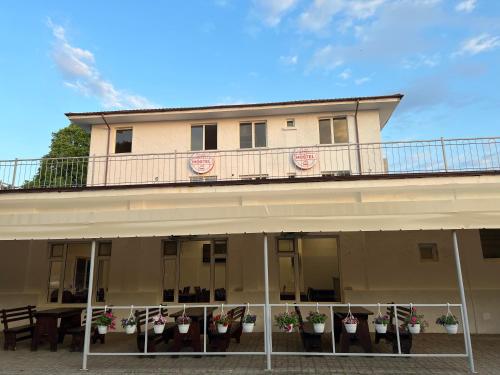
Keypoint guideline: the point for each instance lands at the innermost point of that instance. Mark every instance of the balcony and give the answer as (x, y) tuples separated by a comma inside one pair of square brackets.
[(439, 156)]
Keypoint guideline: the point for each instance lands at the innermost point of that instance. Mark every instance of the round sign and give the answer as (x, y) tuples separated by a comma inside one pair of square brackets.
[(202, 163), (305, 158)]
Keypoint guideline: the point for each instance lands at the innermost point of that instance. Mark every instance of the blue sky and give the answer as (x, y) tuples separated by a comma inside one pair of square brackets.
[(70, 56)]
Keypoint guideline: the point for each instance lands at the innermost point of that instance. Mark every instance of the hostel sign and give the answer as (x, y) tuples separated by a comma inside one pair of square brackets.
[(202, 163), (305, 158)]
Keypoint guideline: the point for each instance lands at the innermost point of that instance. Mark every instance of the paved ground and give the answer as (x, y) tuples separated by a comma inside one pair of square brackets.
[(486, 351)]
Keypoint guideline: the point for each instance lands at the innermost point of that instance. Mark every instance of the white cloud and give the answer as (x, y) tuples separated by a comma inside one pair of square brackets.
[(345, 74), (272, 11), (466, 6), (321, 12), (326, 58), (422, 60), (478, 44), (78, 68), (289, 60), (362, 81)]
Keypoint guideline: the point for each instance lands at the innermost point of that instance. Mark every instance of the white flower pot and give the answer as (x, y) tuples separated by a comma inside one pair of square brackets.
[(288, 329), (350, 327), (130, 330), (319, 327), (381, 328), (414, 329), (451, 329), (248, 327), (102, 330), (158, 328), (221, 328), (183, 328)]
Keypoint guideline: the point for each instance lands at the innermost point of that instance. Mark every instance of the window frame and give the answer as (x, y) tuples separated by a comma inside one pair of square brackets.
[(434, 249), (252, 124), (294, 255), (331, 120), (131, 139), (203, 136), (213, 258), (487, 259), (292, 120)]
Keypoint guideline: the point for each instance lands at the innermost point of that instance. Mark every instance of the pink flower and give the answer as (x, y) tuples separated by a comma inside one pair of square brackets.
[(413, 319)]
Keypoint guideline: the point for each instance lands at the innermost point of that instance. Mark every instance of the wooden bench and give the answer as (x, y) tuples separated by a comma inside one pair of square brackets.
[(153, 338), (78, 333), (21, 332), (219, 342), (310, 339), (405, 337)]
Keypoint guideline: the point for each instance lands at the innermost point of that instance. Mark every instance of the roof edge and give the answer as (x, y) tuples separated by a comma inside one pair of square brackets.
[(235, 106)]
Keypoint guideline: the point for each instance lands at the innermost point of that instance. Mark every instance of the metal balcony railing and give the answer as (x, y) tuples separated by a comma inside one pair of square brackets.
[(387, 158)]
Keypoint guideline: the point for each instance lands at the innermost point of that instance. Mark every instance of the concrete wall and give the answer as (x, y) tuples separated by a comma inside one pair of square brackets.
[(374, 267)]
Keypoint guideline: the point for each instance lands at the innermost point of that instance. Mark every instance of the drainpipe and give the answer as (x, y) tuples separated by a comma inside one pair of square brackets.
[(107, 151), (357, 137)]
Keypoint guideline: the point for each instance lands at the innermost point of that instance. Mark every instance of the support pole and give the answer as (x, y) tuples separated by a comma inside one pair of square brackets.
[(468, 343), (267, 313), (88, 320)]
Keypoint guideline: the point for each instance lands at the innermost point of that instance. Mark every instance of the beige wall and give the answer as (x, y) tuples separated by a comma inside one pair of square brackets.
[(175, 136), (374, 267)]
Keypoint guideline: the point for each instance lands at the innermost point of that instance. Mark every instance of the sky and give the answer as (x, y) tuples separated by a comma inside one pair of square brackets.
[(73, 56)]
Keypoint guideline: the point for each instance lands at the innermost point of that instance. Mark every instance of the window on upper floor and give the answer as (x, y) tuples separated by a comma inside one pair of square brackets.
[(333, 129), (290, 123), (123, 141), (253, 134), (490, 243), (204, 137)]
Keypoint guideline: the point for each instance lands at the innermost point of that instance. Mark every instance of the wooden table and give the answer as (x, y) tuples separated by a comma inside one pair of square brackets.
[(46, 324), (192, 338), (362, 332)]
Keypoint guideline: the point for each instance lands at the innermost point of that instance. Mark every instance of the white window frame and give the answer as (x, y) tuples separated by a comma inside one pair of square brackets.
[(332, 132), (203, 136), (131, 128), (252, 122)]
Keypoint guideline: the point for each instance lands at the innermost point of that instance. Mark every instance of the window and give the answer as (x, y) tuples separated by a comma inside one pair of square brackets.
[(123, 142), (69, 272), (197, 273), (335, 129), (490, 243), (428, 252), (203, 137), (253, 134), (287, 260), (290, 123)]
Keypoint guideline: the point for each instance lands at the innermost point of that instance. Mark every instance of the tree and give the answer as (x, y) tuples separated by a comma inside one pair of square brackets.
[(66, 163)]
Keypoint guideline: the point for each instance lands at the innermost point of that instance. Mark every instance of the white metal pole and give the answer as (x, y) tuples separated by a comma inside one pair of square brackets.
[(267, 314), (460, 280), (88, 320)]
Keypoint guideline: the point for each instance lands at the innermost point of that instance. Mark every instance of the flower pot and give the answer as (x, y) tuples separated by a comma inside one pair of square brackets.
[(350, 327), (248, 327), (183, 328), (288, 328), (319, 327), (130, 330), (158, 328), (414, 329), (381, 328), (102, 330), (221, 328), (451, 329)]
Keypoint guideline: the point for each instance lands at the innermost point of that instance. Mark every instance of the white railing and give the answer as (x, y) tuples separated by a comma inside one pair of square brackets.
[(267, 331), (387, 158)]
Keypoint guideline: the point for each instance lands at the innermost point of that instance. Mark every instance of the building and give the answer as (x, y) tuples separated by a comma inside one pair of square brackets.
[(180, 202)]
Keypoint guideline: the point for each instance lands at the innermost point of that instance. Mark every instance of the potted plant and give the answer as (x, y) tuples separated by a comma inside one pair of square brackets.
[(450, 323), (249, 323), (318, 320), (350, 323), (222, 322), (183, 323), (158, 323), (381, 322), (130, 325), (414, 322), (286, 321), (105, 321)]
